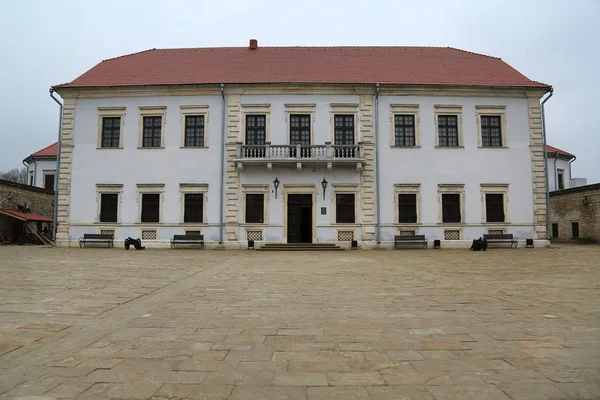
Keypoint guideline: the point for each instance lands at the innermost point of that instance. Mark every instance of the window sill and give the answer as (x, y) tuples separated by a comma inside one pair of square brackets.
[(149, 224), (107, 223), (495, 223), (253, 224), (193, 147), (407, 224), (188, 224), (151, 148), (493, 147), (451, 224), (405, 147), (449, 147), (110, 148), (346, 224)]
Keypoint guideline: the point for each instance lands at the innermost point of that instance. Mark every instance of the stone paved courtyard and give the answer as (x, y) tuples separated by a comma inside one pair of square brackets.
[(161, 324)]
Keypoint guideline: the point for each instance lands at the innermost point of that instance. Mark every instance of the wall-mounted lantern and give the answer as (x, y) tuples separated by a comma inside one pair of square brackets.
[(276, 185), (324, 185)]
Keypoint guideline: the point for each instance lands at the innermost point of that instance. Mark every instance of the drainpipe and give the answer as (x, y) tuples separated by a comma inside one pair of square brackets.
[(377, 161), (570, 173), (222, 164), (556, 172), (56, 178), (546, 163), (27, 173)]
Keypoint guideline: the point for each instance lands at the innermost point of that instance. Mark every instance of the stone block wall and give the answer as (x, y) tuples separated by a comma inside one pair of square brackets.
[(40, 201), (580, 204)]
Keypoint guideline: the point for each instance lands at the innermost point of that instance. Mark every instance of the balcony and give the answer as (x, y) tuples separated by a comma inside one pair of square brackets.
[(327, 154)]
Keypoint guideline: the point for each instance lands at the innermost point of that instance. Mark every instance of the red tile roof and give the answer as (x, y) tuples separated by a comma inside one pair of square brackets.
[(30, 216), (341, 65), (49, 151), (554, 150)]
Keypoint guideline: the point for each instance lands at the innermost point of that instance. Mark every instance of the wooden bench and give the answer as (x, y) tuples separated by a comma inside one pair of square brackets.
[(187, 239), (501, 238), (96, 238), (413, 240)]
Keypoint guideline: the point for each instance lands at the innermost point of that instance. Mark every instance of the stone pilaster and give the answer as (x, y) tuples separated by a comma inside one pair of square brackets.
[(232, 178), (538, 171), (65, 146), (367, 177)]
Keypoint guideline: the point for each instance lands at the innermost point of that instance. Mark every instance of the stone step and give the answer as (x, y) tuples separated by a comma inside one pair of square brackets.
[(301, 248), (324, 245)]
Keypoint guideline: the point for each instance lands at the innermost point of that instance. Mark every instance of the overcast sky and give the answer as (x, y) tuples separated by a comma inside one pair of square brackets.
[(49, 42)]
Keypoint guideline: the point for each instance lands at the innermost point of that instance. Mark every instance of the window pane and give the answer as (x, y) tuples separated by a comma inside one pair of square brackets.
[(451, 207), (193, 207), (494, 206), (150, 207), (194, 130), (407, 208), (255, 208), (300, 129), (111, 130), (491, 133), (404, 128), (345, 208), (109, 204), (344, 129), (152, 132), (448, 130)]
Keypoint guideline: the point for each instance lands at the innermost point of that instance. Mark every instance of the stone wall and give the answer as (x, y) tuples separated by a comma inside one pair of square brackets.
[(40, 201), (581, 205)]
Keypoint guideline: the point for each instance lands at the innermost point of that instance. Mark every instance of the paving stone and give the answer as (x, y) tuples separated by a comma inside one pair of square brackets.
[(404, 355), (187, 391), (572, 375), (318, 366), (300, 379), (239, 378), (71, 388), (355, 346), (269, 392), (337, 393), (487, 392), (532, 391), (354, 379), (406, 392), (580, 390)]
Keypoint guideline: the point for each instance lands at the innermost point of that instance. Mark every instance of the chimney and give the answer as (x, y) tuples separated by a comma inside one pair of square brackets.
[(253, 44)]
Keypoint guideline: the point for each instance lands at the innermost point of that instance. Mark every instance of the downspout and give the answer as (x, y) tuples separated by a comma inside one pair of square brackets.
[(222, 164), (377, 162), (556, 172), (546, 164), (570, 173), (27, 173), (56, 178)]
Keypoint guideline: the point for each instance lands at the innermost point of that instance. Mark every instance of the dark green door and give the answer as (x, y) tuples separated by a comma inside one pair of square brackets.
[(299, 218)]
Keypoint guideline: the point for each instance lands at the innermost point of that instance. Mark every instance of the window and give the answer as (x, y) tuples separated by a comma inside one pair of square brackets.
[(491, 131), (555, 231), (345, 208), (575, 230), (451, 207), (300, 133), (256, 133), (150, 207), (111, 132), (49, 181), (193, 207), (494, 207), (152, 131), (344, 129), (109, 206), (194, 131), (407, 208), (448, 130), (561, 179), (404, 130), (255, 208)]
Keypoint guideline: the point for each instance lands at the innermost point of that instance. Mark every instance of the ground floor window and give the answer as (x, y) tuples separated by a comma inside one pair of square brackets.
[(49, 181), (555, 231), (109, 206), (494, 207), (575, 230), (255, 208), (451, 207), (193, 207), (407, 208), (150, 207), (345, 208)]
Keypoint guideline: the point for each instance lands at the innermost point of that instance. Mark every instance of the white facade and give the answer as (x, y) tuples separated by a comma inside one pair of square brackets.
[(426, 169), (38, 170)]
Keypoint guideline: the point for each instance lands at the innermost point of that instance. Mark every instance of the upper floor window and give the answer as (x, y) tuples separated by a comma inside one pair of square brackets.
[(256, 129), (345, 208), (49, 179), (344, 129), (491, 131), (152, 133), (300, 129), (404, 130), (194, 131), (561, 179), (111, 132), (448, 130)]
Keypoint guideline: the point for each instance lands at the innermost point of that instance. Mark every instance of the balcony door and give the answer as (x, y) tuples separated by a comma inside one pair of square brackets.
[(256, 134), (300, 135), (344, 136)]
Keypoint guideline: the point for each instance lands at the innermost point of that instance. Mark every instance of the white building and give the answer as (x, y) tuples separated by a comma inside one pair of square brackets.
[(302, 144), (41, 167), (559, 170)]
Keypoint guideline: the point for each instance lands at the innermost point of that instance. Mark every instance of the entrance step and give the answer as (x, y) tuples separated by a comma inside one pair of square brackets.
[(300, 247)]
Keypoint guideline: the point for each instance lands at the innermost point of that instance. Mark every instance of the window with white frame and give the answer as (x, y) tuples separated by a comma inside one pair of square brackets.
[(152, 120), (406, 199), (150, 199), (452, 203), (110, 127), (49, 179), (255, 199), (491, 123), (344, 203), (495, 202), (448, 123), (344, 124), (108, 198), (194, 120), (193, 202), (405, 125)]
